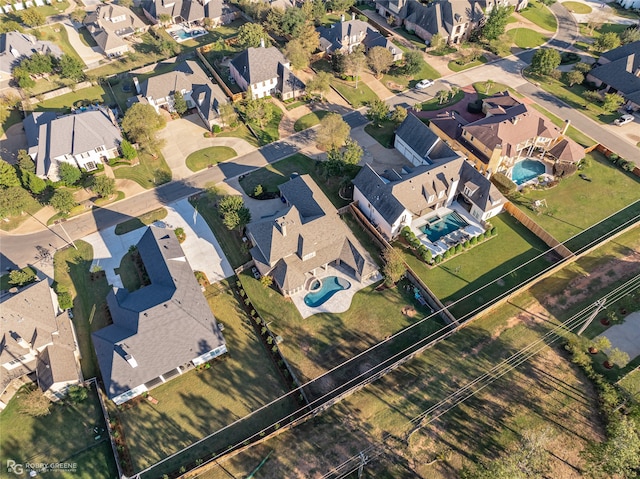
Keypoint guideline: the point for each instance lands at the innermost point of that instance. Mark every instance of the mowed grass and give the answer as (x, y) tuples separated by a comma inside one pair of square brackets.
[(93, 94), (268, 133), (455, 67), (435, 104), (470, 277), (71, 272), (384, 134), (141, 221), (241, 131), (149, 173), (309, 120), (356, 96), (64, 435), (571, 206), (526, 38), (577, 7), (201, 159), (198, 403), (395, 77), (540, 14)]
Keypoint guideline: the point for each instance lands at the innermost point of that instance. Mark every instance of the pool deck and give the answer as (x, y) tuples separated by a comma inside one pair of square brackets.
[(340, 301), (548, 172)]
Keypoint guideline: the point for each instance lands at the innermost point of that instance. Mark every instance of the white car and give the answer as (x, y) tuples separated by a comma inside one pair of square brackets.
[(422, 84), (623, 120)]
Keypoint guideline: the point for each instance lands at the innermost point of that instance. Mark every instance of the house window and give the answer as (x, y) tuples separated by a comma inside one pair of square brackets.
[(91, 165), (16, 361), (308, 256), (100, 148)]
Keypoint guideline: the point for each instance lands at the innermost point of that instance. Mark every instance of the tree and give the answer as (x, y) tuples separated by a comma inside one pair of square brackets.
[(127, 149), (32, 17), (25, 162), (437, 42), (33, 183), (164, 18), (70, 67), (258, 111), (10, 26), (103, 186), (442, 96), (78, 15), (352, 152), (8, 175), (13, 200), (179, 103), (612, 101), (488, 85), (355, 63), (378, 111), (34, 403), (607, 41), (582, 67), (296, 54), (630, 35), (339, 6), (250, 35), (234, 214), (496, 23), (399, 114), (332, 132), (618, 357), (573, 77), (394, 267), (23, 78), (545, 60), (320, 83), (77, 394), (292, 22), (309, 38), (318, 10), (69, 174), (228, 115), (37, 64), (20, 277), (266, 281), (62, 201), (619, 455), (141, 122), (380, 60), (412, 63)]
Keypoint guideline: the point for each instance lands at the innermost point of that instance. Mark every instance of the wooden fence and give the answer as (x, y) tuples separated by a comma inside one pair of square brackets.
[(233, 96)]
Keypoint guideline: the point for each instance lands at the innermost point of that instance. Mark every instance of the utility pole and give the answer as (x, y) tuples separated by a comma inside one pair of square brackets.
[(363, 461), (599, 305)]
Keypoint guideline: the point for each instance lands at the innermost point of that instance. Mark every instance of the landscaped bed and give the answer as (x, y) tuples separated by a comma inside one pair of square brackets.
[(201, 159)]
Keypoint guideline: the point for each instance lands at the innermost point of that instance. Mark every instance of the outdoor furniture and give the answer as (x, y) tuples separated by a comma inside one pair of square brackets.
[(152, 400)]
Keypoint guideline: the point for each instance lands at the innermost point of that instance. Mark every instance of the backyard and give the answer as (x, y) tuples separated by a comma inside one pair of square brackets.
[(66, 434), (85, 96), (201, 159), (200, 402), (570, 205), (481, 269)]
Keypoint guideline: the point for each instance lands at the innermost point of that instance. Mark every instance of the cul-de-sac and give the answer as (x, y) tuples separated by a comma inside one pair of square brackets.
[(323, 239)]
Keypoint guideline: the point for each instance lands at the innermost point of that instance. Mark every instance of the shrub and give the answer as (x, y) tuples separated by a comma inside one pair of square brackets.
[(503, 183), (217, 129), (493, 231), (64, 300), (458, 248), (466, 244), (613, 158), (474, 240), (447, 254), (77, 394), (475, 107)]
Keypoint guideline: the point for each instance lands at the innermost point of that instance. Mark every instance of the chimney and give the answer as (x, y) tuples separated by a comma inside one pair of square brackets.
[(353, 15), (20, 340), (630, 61), (342, 17), (131, 360), (136, 84), (567, 123), (262, 42)]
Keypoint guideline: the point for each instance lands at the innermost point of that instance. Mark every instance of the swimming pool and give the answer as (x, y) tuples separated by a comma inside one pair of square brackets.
[(330, 286), (526, 170), (182, 34), (439, 227)]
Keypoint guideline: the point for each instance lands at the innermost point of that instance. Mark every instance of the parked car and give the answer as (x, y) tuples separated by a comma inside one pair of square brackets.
[(422, 84), (623, 120)]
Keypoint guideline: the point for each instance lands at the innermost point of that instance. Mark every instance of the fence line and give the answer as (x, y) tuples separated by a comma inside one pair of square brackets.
[(105, 413), (233, 96)]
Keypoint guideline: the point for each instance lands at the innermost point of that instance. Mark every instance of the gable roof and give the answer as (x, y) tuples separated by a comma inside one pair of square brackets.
[(567, 150), (14, 46), (189, 10), (621, 73), (109, 24), (56, 364), (423, 141), (259, 64), (332, 37), (162, 326), (71, 134), (441, 16)]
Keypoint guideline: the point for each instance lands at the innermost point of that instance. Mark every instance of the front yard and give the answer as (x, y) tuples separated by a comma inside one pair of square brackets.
[(396, 81), (576, 204), (198, 403), (526, 38), (66, 434), (148, 173), (472, 277), (201, 159), (540, 14)]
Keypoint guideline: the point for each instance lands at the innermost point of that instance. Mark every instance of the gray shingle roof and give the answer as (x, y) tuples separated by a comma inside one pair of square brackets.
[(332, 37), (110, 24), (56, 364), (259, 64), (423, 141), (162, 326), (189, 10), (442, 16), (622, 71), (15, 46), (486, 195)]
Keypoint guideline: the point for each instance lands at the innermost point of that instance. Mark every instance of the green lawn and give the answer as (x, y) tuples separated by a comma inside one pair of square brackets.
[(64, 435), (577, 7), (93, 94), (434, 104), (71, 272), (396, 78), (357, 97), (571, 203), (141, 221), (384, 133), (482, 265), (241, 131), (268, 133), (309, 120), (14, 117), (149, 173), (540, 14), (453, 66), (198, 403), (599, 30), (483, 92), (201, 159), (275, 174), (4, 279), (413, 38), (526, 38)]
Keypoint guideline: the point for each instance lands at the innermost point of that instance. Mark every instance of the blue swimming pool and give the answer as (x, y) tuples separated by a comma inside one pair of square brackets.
[(442, 226), (182, 34), (330, 286), (526, 170)]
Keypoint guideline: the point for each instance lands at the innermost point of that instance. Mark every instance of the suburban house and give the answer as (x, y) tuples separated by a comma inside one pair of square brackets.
[(395, 199), (629, 3), (518, 5), (110, 25), (266, 72), (84, 139), (345, 36), (16, 46), (160, 330), (189, 79), (618, 71), (453, 20), (293, 246), (213, 12), (38, 338), (510, 131)]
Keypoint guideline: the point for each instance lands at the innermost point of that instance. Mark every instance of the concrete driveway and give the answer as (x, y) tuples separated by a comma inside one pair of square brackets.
[(201, 247), (186, 135)]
